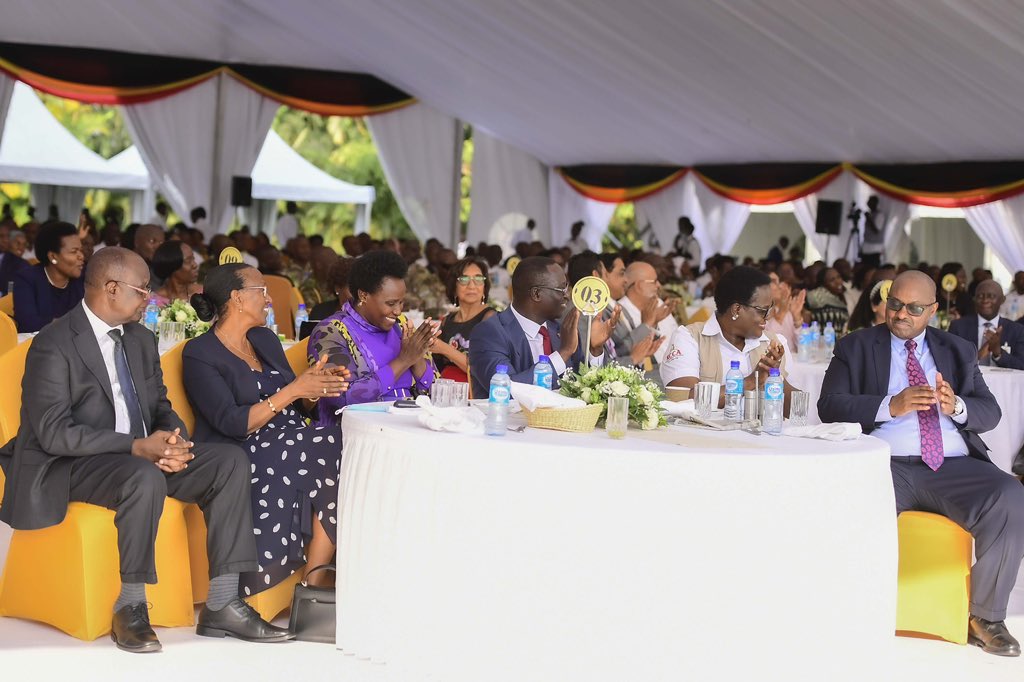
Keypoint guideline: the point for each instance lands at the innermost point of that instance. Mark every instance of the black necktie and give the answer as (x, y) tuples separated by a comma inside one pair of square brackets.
[(124, 377)]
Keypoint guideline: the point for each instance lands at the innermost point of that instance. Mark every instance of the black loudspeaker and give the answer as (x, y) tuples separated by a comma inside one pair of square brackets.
[(241, 191), (830, 217)]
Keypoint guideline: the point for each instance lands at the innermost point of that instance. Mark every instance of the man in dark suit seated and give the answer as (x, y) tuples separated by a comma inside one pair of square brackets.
[(529, 328), (96, 427), (920, 390), (999, 341)]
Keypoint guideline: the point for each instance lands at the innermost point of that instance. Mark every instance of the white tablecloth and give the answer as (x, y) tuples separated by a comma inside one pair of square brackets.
[(555, 556), (1007, 385)]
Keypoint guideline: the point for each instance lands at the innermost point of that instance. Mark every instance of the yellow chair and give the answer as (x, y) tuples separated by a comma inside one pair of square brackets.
[(297, 358), (67, 575), (12, 368), (934, 576), (174, 380), (7, 305), (8, 333), (284, 303), (702, 315), (271, 603)]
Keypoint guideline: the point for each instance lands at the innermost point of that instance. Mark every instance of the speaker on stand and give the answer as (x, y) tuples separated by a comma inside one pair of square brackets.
[(828, 221), (241, 197)]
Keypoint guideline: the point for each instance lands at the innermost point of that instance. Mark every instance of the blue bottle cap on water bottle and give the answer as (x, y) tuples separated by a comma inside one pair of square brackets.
[(773, 372), (735, 364), (543, 358), (502, 369)]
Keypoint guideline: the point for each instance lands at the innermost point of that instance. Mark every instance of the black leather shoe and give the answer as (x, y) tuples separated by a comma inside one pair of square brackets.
[(131, 631), (241, 621), (993, 638)]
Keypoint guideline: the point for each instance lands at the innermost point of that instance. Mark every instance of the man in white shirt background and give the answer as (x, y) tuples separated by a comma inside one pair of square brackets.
[(576, 243), (643, 311), (287, 227), (1013, 306)]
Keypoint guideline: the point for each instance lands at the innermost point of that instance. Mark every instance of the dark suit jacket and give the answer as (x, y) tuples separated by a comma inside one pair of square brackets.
[(222, 388), (67, 411), (858, 379), (36, 303), (9, 265), (499, 340), (1013, 336)]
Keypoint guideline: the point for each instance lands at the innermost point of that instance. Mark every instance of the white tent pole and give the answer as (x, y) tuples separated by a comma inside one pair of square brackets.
[(362, 218), (457, 186)]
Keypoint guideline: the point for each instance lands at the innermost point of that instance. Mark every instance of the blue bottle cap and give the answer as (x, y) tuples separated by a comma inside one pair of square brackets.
[(773, 372), (735, 364), (502, 369), (543, 358)]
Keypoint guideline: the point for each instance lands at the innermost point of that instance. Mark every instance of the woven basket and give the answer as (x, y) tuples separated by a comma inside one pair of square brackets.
[(577, 419)]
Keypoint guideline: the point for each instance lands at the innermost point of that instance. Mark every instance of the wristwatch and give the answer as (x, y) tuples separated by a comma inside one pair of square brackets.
[(959, 406)]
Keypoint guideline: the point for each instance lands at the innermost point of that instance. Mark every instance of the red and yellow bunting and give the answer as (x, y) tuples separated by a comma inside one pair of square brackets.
[(770, 195), (945, 199), (617, 195)]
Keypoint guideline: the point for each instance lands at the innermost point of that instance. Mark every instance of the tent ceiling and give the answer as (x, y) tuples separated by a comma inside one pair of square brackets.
[(648, 81)]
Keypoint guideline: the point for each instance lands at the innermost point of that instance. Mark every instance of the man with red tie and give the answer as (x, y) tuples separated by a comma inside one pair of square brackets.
[(920, 390)]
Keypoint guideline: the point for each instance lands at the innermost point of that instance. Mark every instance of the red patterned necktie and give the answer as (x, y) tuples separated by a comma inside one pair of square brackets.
[(928, 420), (544, 334)]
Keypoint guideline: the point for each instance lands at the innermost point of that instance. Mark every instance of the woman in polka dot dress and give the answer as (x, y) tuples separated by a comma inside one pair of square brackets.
[(243, 391)]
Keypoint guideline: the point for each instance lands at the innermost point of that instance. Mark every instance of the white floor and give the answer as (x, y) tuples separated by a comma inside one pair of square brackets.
[(39, 652)]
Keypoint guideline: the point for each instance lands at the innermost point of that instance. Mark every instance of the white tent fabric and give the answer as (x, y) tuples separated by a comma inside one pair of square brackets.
[(68, 200), (418, 147), (280, 172), (129, 162), (1000, 224), (193, 143), (645, 81), (717, 221), (568, 206), (505, 180), (6, 90)]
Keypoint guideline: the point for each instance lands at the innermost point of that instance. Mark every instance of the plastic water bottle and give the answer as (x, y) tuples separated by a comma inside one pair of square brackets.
[(271, 322), (815, 347), (829, 336), (543, 372), (152, 316), (300, 317), (497, 403), (803, 344), (773, 401), (734, 393)]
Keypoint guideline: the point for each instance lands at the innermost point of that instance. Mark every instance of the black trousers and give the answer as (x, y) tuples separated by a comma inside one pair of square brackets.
[(983, 500), (217, 480)]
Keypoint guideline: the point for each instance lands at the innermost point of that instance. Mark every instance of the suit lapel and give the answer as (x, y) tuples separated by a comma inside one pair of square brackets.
[(943, 357), (883, 358), (521, 346), (89, 350)]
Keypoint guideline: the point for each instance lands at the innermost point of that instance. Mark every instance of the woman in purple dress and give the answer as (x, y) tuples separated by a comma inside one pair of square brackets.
[(386, 356)]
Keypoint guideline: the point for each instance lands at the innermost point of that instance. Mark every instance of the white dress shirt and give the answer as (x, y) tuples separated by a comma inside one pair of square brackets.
[(665, 328), (903, 434), (287, 228), (532, 331), (682, 358), (122, 422)]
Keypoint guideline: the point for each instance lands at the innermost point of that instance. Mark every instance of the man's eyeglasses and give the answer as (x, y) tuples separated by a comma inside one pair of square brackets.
[(479, 280), (144, 292), (564, 291), (915, 309), (262, 289), (765, 312)]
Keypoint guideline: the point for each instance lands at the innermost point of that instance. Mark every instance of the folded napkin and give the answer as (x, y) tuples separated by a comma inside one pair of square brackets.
[(682, 408), (532, 397), (452, 419), (836, 431)]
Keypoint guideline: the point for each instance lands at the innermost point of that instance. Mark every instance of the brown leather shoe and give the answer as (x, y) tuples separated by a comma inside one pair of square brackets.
[(131, 631), (993, 638)]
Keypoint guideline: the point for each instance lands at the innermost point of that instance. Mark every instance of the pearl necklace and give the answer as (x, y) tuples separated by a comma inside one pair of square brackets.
[(47, 273)]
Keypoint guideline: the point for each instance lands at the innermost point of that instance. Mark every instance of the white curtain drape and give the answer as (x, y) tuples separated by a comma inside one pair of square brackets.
[(420, 151), (505, 180), (717, 221), (193, 143), (68, 200), (661, 211), (6, 90), (895, 215), (1000, 224), (568, 206)]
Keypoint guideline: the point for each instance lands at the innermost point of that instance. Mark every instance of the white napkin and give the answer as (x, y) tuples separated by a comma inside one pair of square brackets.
[(532, 397), (453, 419), (836, 431), (682, 408)]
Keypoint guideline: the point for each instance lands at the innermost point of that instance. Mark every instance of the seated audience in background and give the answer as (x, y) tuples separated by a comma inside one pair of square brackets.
[(244, 393), (957, 302), (386, 356), (704, 351), (244, 242), (425, 288), (643, 311), (777, 253), (146, 240), (468, 287), (339, 283), (48, 290), (218, 243), (298, 268), (978, 275), (12, 245), (98, 428), (827, 302), (531, 327), (317, 288), (999, 341), (787, 311), (685, 244), (525, 235), (501, 281), (920, 390), (1013, 305), (576, 243), (870, 309), (271, 262), (174, 265), (625, 346)]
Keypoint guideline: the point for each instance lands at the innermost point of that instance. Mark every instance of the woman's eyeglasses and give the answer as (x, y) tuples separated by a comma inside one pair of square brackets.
[(765, 312), (262, 289), (915, 309), (464, 280)]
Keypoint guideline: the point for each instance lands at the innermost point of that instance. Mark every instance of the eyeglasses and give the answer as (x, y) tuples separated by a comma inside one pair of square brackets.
[(263, 289), (765, 312), (144, 292), (564, 291), (915, 309), (475, 279)]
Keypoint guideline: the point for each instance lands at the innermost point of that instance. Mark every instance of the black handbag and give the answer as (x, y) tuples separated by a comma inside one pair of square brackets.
[(313, 614)]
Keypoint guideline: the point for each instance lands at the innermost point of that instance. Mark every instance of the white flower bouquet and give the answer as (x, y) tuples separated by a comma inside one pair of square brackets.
[(181, 311), (597, 384)]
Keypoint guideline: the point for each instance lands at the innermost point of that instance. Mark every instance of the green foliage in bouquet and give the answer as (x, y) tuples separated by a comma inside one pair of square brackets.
[(181, 311), (597, 384)]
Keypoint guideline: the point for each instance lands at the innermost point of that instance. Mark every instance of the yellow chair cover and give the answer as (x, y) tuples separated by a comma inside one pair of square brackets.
[(8, 333), (270, 603), (12, 369), (174, 380), (934, 576), (297, 358), (7, 305), (702, 315), (284, 303)]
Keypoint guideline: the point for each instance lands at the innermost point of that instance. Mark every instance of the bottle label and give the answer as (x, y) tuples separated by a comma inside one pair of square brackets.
[(542, 379), (499, 394), (733, 385), (773, 391)]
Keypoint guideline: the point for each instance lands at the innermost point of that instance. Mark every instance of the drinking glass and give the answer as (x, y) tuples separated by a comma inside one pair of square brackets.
[(799, 401), (617, 418), (702, 398), (170, 335), (441, 393), (459, 394)]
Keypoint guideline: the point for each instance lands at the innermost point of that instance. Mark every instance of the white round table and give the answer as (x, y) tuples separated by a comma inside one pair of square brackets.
[(547, 555), (1007, 385)]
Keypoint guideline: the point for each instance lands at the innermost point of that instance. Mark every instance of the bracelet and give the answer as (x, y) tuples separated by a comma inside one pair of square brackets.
[(271, 406)]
